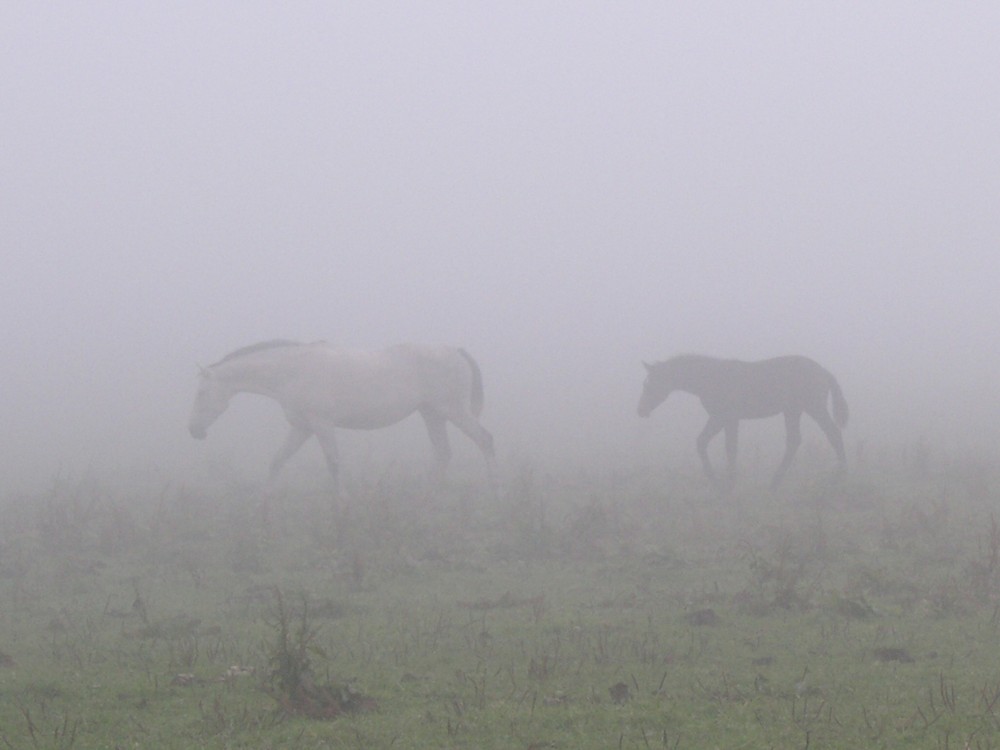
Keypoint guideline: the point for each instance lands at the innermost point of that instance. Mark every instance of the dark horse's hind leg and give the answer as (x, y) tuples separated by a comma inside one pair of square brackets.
[(832, 432), (793, 438), (732, 436)]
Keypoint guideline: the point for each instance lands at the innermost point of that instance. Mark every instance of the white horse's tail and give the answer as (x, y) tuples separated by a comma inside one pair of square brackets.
[(476, 399)]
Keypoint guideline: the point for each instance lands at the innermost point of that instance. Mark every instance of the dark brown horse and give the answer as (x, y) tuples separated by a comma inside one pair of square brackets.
[(731, 390)]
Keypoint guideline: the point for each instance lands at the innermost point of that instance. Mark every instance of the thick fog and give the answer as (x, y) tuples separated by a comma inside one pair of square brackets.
[(564, 189)]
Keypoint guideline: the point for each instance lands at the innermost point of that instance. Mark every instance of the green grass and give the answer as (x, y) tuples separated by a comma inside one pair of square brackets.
[(628, 611)]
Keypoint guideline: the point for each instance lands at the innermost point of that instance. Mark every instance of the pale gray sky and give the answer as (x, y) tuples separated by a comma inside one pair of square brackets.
[(562, 188)]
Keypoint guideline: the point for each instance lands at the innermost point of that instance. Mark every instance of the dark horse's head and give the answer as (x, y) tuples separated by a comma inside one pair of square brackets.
[(657, 387)]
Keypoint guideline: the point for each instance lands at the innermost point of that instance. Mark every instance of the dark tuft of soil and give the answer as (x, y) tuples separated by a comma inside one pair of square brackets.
[(325, 701), (620, 693), (702, 617), (890, 653)]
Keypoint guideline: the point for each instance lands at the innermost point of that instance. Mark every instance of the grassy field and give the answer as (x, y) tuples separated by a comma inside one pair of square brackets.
[(638, 610)]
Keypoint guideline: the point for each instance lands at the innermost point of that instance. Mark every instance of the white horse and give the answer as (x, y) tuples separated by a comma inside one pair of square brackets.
[(321, 388)]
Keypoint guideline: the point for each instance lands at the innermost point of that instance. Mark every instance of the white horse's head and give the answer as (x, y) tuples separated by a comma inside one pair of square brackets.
[(655, 390), (211, 400)]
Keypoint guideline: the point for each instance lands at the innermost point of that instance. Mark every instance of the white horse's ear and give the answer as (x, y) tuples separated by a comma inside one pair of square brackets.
[(648, 366), (204, 371)]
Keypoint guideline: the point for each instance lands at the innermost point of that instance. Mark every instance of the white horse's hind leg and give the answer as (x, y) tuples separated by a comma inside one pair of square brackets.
[(479, 435), (437, 430), (328, 442)]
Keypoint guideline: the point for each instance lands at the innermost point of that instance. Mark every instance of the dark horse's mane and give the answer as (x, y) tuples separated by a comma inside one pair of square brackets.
[(687, 357), (261, 346)]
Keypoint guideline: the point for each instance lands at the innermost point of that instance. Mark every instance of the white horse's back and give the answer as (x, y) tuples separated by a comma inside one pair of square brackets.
[(362, 389)]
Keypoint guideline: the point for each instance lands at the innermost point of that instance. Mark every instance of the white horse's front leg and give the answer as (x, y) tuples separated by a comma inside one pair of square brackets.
[(296, 437), (328, 442)]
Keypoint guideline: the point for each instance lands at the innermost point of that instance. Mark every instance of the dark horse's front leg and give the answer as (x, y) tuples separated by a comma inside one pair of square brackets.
[(712, 428)]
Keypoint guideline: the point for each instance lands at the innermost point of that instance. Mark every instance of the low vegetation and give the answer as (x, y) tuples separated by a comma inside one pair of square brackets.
[(626, 610)]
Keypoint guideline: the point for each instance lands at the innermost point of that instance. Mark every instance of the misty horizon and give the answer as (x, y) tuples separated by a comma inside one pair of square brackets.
[(563, 190)]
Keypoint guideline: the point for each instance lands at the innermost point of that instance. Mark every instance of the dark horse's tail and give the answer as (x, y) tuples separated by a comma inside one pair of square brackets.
[(476, 403), (840, 412)]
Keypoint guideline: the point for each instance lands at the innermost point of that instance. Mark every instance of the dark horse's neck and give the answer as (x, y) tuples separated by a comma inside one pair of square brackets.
[(695, 373)]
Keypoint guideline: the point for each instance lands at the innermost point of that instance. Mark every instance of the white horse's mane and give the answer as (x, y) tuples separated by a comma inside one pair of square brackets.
[(260, 346)]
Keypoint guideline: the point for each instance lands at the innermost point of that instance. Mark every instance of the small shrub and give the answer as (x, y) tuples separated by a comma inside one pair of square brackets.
[(290, 679)]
